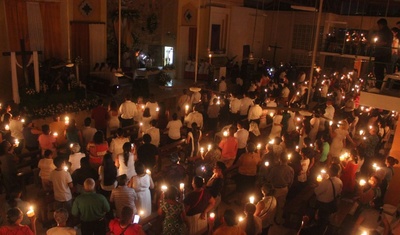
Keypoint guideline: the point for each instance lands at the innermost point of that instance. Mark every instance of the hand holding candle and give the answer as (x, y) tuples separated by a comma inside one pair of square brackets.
[(251, 199), (362, 182), (164, 188), (30, 213), (319, 178), (182, 187), (212, 216)]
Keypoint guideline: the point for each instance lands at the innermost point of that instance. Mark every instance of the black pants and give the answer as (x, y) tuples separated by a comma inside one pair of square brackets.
[(379, 69), (126, 122), (97, 227), (238, 154)]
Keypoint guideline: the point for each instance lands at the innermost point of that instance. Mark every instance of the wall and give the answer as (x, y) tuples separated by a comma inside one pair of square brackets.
[(5, 78)]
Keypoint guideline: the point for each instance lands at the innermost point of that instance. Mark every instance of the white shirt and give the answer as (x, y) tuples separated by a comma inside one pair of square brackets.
[(127, 110), (196, 98), (60, 180), (46, 166), (235, 105), (87, 134), (285, 92), (194, 117), (116, 146), (174, 129), (75, 160), (242, 136), (324, 190), (222, 86), (245, 103), (128, 169), (153, 109), (271, 103), (255, 112), (329, 112), (155, 135), (16, 128)]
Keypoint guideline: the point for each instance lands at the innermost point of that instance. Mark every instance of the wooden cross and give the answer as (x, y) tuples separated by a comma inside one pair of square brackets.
[(274, 47), (24, 53)]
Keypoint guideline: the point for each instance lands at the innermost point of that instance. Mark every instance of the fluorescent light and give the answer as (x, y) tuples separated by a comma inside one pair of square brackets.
[(303, 8)]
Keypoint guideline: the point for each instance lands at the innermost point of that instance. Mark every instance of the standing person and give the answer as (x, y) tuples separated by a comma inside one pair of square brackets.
[(251, 224), (16, 128), (216, 182), (58, 126), (125, 162), (255, 113), (276, 125), (314, 122), (389, 173), (348, 174), (222, 87), (281, 177), (154, 132), (229, 147), (266, 208), (127, 112), (61, 182), (75, 157), (193, 140), (123, 196), (46, 166), (73, 134), (234, 107), (213, 113), (31, 136), (112, 119), (175, 220), (100, 116), (87, 131), (107, 175), (183, 100), (242, 136), (197, 204), (142, 183), (97, 149), (61, 217), (382, 53), (117, 143), (245, 103), (125, 224), (91, 207), (229, 225), (174, 128), (326, 192), (338, 139), (14, 218), (147, 153), (194, 116), (86, 171), (47, 141), (153, 107)]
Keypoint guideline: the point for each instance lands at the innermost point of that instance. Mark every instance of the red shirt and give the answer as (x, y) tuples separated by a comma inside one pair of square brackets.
[(16, 230), (229, 147), (99, 115), (97, 152), (116, 229)]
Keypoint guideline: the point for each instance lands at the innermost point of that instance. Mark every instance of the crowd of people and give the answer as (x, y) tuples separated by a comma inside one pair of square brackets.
[(260, 134)]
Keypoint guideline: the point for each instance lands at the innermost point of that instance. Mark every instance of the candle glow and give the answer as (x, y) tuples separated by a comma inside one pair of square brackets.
[(164, 188), (319, 178), (362, 182), (182, 186), (251, 199), (30, 212)]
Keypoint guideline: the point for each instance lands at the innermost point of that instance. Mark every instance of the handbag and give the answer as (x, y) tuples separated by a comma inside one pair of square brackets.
[(334, 203)]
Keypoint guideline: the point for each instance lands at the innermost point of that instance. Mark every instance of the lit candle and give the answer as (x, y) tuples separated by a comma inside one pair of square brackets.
[(266, 163), (186, 108), (66, 120), (225, 133), (23, 120), (251, 199), (375, 39), (212, 216), (202, 150), (148, 172), (71, 145), (258, 146), (370, 127), (140, 123), (341, 157), (16, 142), (271, 141), (209, 58), (141, 212), (271, 114), (240, 218), (330, 123), (157, 109), (364, 233), (298, 119), (319, 178), (55, 134), (65, 168), (361, 132), (364, 138), (289, 156), (30, 212), (362, 108), (7, 127), (143, 107), (362, 182), (209, 147), (182, 186), (323, 171), (164, 188)]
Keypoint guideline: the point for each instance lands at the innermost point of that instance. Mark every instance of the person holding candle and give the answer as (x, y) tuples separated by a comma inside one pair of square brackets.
[(154, 132), (117, 143), (97, 149), (16, 129), (61, 182), (174, 128), (16, 201), (125, 162), (229, 225), (194, 117), (348, 175), (142, 183), (14, 226), (251, 224), (369, 195), (125, 225), (193, 140), (153, 107), (47, 141), (31, 135), (175, 220), (61, 216), (123, 195), (216, 182), (242, 136), (338, 139), (276, 125), (75, 157), (58, 126), (266, 208), (183, 103), (229, 147), (72, 133)]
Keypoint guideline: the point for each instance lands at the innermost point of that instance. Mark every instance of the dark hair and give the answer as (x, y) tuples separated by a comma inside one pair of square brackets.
[(98, 137), (139, 167), (250, 208), (122, 179), (127, 150), (221, 165), (307, 141), (87, 121), (146, 112), (47, 153), (13, 215), (195, 131), (251, 147), (85, 162), (15, 193), (198, 181), (153, 122), (392, 161), (72, 126), (45, 129), (230, 217), (58, 161), (172, 193), (354, 153), (120, 132), (126, 215), (382, 21), (113, 105), (174, 116), (109, 169), (334, 170), (146, 138)]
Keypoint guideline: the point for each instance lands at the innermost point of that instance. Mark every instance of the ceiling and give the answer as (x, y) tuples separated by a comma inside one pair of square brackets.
[(385, 8)]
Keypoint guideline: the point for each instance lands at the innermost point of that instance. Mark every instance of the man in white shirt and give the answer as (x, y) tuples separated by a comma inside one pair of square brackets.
[(87, 132), (222, 87), (127, 112), (194, 117), (16, 128), (213, 113), (255, 113), (271, 112), (195, 98), (174, 128), (285, 94), (234, 106), (182, 102), (245, 104), (61, 182), (242, 136), (154, 132), (153, 107)]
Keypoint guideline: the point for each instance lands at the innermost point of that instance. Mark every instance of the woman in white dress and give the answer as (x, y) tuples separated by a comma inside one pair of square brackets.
[(142, 183), (113, 121), (339, 137), (314, 122), (126, 161), (276, 126)]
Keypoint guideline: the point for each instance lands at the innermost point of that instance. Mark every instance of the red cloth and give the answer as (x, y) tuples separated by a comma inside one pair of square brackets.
[(20, 230), (116, 229), (97, 152), (348, 177), (100, 115), (229, 146)]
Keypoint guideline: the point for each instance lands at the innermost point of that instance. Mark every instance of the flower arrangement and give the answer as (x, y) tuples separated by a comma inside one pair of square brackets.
[(30, 91)]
